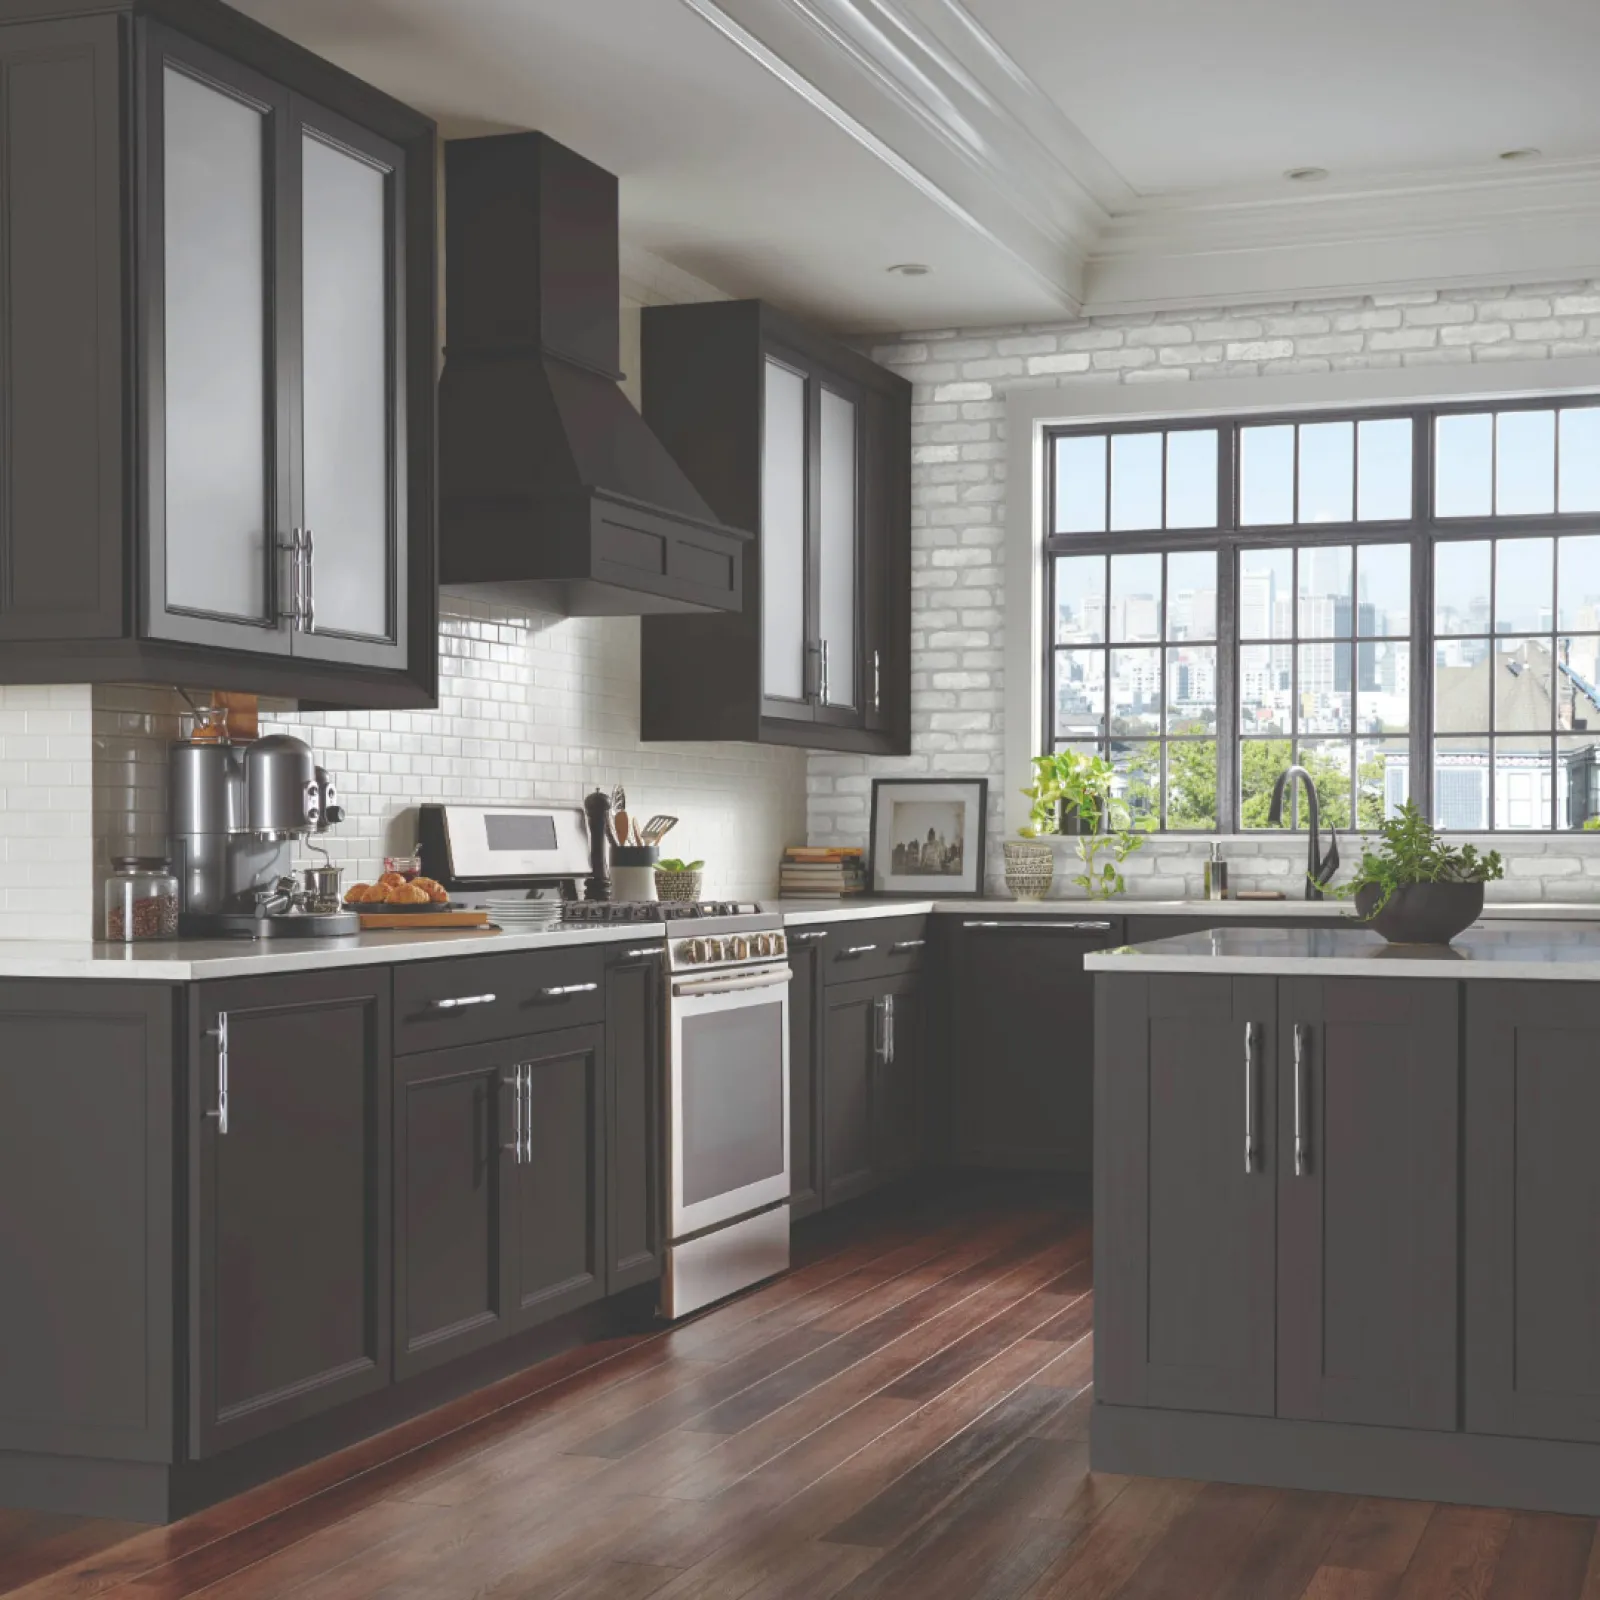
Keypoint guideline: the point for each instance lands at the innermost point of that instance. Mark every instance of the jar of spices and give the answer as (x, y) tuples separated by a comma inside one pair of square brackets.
[(141, 900)]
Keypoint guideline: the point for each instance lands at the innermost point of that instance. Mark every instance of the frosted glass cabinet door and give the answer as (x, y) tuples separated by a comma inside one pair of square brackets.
[(783, 535), (215, 491), (346, 340), (837, 548)]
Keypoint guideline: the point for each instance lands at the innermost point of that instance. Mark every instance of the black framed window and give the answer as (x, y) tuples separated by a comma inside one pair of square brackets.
[(1405, 600)]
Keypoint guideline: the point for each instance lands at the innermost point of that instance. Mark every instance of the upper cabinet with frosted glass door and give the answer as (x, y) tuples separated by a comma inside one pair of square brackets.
[(808, 442), (254, 461)]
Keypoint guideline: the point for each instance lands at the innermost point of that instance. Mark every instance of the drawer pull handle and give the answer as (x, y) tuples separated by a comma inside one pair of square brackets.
[(560, 991), (857, 950), (455, 1002), (808, 938), (1027, 925), (1302, 1093), (641, 955), (908, 944), (1250, 1096)]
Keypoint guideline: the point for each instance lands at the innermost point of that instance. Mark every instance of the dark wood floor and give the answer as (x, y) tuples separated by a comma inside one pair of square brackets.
[(904, 1415)]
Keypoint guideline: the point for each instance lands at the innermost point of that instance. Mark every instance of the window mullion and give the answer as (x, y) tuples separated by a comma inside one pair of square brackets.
[(1228, 763)]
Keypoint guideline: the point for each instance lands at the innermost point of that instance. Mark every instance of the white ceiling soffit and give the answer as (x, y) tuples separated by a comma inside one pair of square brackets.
[(925, 87)]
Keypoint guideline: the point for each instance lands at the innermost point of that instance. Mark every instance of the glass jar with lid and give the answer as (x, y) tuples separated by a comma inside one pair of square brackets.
[(141, 900)]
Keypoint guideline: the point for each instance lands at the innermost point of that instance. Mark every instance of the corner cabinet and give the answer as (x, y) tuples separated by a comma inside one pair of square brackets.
[(218, 412), (786, 431)]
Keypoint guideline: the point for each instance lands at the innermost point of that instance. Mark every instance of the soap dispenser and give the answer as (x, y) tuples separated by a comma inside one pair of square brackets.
[(1216, 873)]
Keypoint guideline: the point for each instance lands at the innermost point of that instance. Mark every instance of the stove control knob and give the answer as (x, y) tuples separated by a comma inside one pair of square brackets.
[(762, 944), (693, 950), (738, 947), (780, 944), (710, 949)]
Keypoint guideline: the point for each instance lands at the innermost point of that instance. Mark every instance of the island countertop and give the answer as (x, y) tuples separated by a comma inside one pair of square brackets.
[(1513, 950)]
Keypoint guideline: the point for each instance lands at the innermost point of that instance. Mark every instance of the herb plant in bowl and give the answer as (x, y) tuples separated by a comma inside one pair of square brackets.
[(1416, 889)]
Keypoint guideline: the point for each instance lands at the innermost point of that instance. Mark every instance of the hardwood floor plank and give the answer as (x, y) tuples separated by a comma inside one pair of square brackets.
[(1351, 1583), (1204, 1544), (619, 1580), (1288, 1547), (1456, 1555), (1098, 1564), (34, 1544), (1547, 1556), (1380, 1535)]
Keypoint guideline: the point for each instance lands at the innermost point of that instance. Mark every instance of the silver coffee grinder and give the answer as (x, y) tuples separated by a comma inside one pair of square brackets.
[(235, 811)]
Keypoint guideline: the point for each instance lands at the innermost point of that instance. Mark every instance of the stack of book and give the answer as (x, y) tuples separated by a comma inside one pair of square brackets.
[(822, 872)]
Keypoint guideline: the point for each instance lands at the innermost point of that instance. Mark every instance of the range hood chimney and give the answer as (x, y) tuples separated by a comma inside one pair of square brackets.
[(553, 492)]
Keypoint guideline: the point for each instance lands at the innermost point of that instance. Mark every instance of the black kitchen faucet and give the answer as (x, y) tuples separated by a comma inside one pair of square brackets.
[(1319, 868)]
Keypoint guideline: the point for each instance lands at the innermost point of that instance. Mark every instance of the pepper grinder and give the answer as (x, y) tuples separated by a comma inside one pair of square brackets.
[(597, 808)]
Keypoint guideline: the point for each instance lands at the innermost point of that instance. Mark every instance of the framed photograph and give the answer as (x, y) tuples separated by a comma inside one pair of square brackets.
[(927, 836)]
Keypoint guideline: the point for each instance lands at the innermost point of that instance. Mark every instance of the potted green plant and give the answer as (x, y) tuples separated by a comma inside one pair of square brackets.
[(1071, 794), (679, 880), (1416, 889)]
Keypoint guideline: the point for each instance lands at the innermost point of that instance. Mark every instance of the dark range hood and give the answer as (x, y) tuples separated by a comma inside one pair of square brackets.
[(553, 492)]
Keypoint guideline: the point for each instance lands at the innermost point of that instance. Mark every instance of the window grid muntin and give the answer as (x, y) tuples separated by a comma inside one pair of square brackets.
[(1423, 530)]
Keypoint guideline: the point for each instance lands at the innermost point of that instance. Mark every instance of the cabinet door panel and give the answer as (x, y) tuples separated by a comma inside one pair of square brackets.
[(216, 483), (838, 546), (348, 352), (851, 1034), (806, 1030), (1532, 1348), (633, 1095), (1185, 1233), (559, 1192), (454, 1119), (1367, 1307), (292, 1204), (783, 539)]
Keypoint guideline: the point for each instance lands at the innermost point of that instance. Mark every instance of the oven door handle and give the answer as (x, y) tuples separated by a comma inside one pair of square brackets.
[(733, 983)]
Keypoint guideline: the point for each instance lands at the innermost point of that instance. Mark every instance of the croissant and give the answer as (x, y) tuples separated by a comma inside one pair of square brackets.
[(391, 880), (407, 894), (356, 893)]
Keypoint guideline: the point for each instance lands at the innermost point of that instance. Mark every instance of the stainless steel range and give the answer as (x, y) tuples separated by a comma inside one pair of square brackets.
[(727, 1105)]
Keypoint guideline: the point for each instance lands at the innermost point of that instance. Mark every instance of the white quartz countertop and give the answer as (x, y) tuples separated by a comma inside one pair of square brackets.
[(192, 960), (1506, 950)]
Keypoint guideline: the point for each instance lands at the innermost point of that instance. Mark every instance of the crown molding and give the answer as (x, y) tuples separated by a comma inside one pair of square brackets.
[(927, 90)]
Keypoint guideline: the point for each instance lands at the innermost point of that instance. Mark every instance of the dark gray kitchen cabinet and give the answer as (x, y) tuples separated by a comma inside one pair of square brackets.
[(87, 1076), (1532, 1314), (456, 1119), (635, 1075), (220, 350), (1022, 1064), (289, 1206), (1367, 1129), (1185, 1204), (807, 1030), (558, 1188), (791, 433)]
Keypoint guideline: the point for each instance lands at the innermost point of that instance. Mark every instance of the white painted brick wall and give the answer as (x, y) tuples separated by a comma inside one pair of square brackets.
[(959, 603)]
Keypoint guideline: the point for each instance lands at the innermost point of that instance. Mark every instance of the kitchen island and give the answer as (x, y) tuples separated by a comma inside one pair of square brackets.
[(1346, 1206)]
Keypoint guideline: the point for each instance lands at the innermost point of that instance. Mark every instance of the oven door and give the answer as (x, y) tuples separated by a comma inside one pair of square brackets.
[(729, 1096)]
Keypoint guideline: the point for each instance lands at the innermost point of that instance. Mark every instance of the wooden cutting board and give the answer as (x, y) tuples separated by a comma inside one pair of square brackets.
[(420, 921)]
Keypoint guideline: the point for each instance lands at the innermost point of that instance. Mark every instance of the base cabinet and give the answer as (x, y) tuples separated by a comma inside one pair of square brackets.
[(1276, 1212), (289, 1200), (807, 1029), (1532, 1210), (634, 1085)]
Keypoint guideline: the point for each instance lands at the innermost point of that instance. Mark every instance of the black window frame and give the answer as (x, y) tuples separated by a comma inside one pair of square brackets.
[(1422, 530)]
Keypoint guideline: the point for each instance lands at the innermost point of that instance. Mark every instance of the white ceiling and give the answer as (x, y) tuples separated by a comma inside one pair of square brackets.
[(1042, 158)]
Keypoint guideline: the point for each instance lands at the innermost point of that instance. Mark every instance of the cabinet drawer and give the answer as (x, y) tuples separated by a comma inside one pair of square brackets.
[(442, 1003), (882, 947)]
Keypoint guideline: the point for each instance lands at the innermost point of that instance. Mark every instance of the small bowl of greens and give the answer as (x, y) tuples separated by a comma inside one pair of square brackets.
[(1414, 888)]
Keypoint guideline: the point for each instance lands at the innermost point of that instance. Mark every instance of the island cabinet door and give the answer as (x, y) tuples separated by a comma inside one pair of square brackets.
[(558, 1183), (1532, 1290), (1184, 1187), (290, 1202), (1368, 1209)]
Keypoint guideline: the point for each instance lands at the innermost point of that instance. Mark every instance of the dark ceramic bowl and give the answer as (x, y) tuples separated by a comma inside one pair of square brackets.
[(1421, 913)]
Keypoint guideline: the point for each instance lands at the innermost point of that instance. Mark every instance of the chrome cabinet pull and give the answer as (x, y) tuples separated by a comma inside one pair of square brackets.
[(560, 991), (877, 678), (1027, 924), (880, 1029), (907, 944), (296, 615), (822, 693), (515, 1147), (456, 1001), (527, 1114), (641, 955), (310, 590), (220, 1034), (1302, 1151), (857, 950), (808, 937), (888, 1003), (1249, 1097)]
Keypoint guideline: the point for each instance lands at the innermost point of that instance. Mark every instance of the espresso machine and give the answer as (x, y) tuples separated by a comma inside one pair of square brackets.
[(235, 811)]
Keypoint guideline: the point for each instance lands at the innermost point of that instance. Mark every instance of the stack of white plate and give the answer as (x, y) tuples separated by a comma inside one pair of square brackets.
[(517, 914)]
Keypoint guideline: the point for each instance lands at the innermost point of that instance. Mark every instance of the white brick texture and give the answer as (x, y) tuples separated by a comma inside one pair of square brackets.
[(959, 601)]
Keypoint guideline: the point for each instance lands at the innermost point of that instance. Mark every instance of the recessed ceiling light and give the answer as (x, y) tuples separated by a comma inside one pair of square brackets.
[(910, 269), (1306, 174), (1527, 153)]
